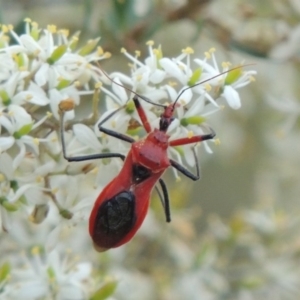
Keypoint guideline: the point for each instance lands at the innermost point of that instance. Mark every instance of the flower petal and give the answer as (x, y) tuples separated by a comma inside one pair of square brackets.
[(232, 97), (173, 70), (86, 136), (35, 95), (6, 143)]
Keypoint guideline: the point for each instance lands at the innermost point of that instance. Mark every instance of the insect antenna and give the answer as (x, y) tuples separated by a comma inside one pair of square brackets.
[(129, 90), (111, 114), (208, 79)]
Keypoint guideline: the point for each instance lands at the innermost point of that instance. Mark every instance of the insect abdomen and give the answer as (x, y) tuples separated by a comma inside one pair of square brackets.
[(114, 219)]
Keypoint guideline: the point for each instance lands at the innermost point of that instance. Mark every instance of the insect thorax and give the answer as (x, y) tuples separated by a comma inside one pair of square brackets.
[(151, 152)]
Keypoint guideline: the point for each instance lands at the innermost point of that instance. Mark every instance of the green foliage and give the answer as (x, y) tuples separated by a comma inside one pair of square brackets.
[(105, 291)]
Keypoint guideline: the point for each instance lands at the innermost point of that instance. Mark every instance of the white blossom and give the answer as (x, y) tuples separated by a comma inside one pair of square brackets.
[(44, 79), (49, 275)]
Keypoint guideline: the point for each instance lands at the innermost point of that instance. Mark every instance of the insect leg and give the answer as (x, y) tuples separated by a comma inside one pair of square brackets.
[(164, 199), (113, 133), (184, 170), (193, 139), (142, 114), (84, 157), (92, 156), (117, 135), (185, 141)]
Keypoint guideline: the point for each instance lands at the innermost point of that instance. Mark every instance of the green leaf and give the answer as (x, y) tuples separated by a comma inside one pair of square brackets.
[(4, 271), (57, 54), (66, 214), (2, 43), (130, 107), (51, 273), (63, 83), (134, 131), (7, 205), (195, 120), (22, 131), (159, 55), (14, 185), (105, 291), (88, 47), (233, 76), (195, 77), (74, 41), (35, 32), (5, 98), (21, 60)]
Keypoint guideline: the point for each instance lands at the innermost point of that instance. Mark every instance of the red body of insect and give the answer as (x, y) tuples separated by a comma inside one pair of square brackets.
[(115, 225), (121, 207)]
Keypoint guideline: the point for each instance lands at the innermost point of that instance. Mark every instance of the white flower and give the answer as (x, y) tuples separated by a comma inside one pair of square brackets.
[(91, 145), (19, 124), (50, 276), (232, 97), (229, 86), (33, 94), (74, 196), (53, 64), (10, 191), (193, 95), (7, 66), (118, 99)]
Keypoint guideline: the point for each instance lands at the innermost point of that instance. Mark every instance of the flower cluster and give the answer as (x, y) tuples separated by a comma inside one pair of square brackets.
[(38, 71), (197, 90), (37, 276), (44, 71)]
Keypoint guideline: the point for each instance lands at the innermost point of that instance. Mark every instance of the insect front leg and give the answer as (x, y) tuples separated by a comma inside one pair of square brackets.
[(83, 157), (186, 141), (113, 133), (193, 139), (117, 135), (142, 114)]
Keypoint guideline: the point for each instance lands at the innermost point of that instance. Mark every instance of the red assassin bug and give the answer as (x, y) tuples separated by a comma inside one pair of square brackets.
[(122, 205)]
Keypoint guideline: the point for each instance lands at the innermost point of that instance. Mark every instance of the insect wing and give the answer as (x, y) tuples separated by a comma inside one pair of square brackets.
[(121, 207)]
